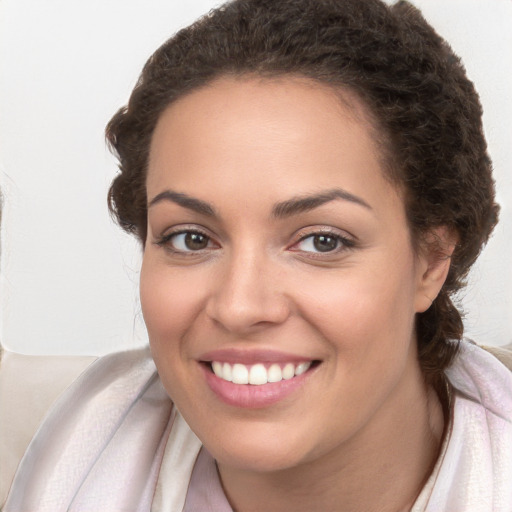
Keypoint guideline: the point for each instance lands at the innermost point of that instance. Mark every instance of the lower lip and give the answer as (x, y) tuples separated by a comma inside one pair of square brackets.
[(249, 396)]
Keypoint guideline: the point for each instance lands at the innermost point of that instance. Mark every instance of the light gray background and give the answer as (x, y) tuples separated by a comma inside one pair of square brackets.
[(68, 275)]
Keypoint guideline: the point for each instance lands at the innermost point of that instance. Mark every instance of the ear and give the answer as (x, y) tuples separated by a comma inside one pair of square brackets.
[(434, 261)]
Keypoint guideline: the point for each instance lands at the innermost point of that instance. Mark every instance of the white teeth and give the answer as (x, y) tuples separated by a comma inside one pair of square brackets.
[(274, 373), (227, 372), (301, 368), (288, 371), (240, 374), (217, 368), (257, 374)]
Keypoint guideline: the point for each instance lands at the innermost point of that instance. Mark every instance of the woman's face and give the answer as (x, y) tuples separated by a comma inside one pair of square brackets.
[(276, 246)]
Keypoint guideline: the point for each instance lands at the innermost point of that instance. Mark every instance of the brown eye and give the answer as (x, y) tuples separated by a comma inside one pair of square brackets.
[(195, 241), (318, 243), (186, 242), (325, 243)]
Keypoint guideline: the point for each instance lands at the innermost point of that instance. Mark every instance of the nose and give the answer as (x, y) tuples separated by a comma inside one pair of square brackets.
[(248, 294)]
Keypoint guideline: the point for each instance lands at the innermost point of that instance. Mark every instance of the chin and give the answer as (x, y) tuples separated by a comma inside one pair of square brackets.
[(258, 449), (258, 460)]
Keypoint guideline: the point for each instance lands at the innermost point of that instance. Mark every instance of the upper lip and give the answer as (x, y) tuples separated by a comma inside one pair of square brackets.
[(236, 355)]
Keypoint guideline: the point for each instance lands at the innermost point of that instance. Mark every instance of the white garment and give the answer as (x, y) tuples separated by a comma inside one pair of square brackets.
[(113, 442), (475, 472)]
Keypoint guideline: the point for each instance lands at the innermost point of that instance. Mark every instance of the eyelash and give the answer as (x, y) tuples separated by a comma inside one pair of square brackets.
[(165, 241), (343, 243)]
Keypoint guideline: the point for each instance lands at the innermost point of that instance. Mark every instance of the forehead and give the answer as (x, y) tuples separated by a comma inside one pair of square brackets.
[(287, 135), (252, 98)]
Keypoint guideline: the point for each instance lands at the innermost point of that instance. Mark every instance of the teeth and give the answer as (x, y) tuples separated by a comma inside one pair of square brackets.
[(217, 369), (227, 372), (257, 374), (274, 373), (240, 374), (301, 368), (288, 371)]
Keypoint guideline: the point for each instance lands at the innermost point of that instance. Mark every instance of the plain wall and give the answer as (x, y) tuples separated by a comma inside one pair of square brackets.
[(68, 275)]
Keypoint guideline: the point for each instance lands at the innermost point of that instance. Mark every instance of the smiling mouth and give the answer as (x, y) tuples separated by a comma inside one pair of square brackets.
[(259, 374)]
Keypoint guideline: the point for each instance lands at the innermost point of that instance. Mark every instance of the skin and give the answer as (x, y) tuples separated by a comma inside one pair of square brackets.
[(363, 432)]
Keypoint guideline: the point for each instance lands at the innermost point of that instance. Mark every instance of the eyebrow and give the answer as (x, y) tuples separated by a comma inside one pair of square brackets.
[(280, 210), (191, 203), (306, 203)]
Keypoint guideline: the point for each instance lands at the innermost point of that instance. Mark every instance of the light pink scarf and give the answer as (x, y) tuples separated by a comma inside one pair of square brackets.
[(101, 447), (114, 443)]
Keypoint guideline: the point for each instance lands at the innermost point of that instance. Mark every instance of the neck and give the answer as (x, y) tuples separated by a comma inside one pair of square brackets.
[(382, 468)]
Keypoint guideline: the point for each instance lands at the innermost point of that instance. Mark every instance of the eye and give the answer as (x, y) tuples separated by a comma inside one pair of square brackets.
[(186, 241), (189, 241), (323, 243)]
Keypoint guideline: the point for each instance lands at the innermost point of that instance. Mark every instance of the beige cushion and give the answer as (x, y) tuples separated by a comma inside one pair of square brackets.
[(28, 387), (504, 354)]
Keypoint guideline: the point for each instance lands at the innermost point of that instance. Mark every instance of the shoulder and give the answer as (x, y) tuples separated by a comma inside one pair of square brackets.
[(32, 386), (474, 471), (483, 375), (29, 386)]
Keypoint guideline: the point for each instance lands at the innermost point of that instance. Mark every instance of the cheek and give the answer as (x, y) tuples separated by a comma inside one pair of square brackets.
[(364, 308), (170, 300), (171, 303)]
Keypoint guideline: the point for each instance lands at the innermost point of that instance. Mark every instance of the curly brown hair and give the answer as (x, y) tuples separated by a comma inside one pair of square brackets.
[(415, 87)]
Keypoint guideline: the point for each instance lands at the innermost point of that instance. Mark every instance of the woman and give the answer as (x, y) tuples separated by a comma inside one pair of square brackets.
[(310, 183)]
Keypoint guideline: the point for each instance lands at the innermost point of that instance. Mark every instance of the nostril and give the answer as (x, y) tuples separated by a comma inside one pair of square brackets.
[(247, 313)]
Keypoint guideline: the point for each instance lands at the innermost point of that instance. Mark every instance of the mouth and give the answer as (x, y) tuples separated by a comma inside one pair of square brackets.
[(259, 374), (254, 384)]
